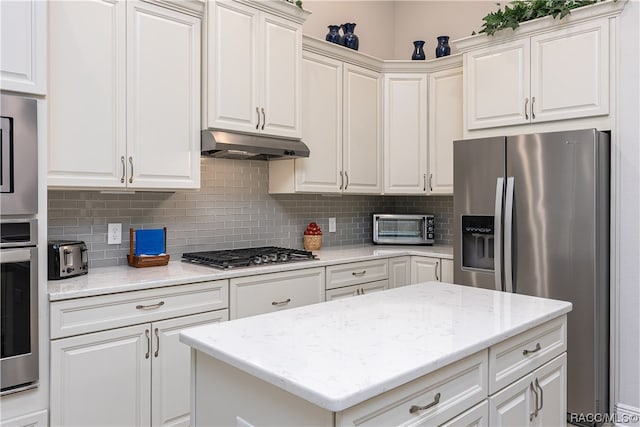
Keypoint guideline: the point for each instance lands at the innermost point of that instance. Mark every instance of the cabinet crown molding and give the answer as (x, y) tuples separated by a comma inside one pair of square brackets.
[(341, 53), (281, 8), (605, 9)]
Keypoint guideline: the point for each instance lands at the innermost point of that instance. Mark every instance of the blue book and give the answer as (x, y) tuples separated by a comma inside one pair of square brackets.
[(149, 242)]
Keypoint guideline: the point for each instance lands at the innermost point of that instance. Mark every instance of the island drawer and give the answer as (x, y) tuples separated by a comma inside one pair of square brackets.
[(429, 400), (355, 290), (98, 313), (522, 354), (266, 293), (357, 272)]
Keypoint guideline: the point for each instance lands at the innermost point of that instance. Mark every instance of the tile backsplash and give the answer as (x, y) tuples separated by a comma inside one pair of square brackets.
[(231, 210)]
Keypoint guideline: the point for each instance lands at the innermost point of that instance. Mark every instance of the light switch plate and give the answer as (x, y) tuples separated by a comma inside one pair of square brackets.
[(114, 234), (332, 225)]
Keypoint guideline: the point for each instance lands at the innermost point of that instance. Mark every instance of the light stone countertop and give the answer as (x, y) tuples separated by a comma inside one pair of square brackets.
[(109, 280), (340, 353)]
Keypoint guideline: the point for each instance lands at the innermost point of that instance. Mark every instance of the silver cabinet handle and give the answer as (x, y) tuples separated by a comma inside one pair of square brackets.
[(424, 182), (526, 352), (361, 291), (131, 163), (281, 303), (258, 114), (150, 306), (526, 108), (535, 412), (437, 265), (146, 332), (430, 182), (341, 180), (157, 343), (533, 103), (124, 170), (346, 175), (497, 226), (541, 396), (263, 119), (416, 408), (358, 291), (359, 273)]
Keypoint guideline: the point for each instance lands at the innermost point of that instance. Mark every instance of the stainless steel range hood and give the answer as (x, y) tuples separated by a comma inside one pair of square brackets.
[(231, 145)]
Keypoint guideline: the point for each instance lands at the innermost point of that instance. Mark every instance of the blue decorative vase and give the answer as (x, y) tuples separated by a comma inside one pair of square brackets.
[(350, 40), (443, 48), (343, 27), (333, 35), (418, 51)]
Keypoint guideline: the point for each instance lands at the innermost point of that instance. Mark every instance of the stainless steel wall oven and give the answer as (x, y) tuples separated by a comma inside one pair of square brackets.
[(18, 244)]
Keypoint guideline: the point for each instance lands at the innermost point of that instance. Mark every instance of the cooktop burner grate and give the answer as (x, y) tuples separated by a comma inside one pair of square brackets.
[(247, 257)]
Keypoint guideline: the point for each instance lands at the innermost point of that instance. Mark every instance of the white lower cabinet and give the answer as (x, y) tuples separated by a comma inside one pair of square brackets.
[(353, 290), (36, 419), (137, 374), (478, 416), (425, 269), (266, 293), (399, 271), (446, 268), (537, 399)]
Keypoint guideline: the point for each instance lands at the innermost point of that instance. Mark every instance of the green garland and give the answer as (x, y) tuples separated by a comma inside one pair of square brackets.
[(525, 10)]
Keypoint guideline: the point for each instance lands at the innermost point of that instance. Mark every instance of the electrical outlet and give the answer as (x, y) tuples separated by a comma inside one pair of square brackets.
[(332, 225), (114, 236)]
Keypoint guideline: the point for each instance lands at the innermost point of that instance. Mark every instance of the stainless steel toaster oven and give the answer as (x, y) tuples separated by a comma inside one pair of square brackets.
[(403, 229)]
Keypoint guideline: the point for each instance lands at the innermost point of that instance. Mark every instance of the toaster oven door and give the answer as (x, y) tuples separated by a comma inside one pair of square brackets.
[(405, 230)]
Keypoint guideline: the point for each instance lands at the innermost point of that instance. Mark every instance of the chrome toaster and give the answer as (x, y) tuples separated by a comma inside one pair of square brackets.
[(67, 258)]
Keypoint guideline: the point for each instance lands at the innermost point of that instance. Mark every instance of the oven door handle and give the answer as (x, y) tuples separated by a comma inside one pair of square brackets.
[(15, 255)]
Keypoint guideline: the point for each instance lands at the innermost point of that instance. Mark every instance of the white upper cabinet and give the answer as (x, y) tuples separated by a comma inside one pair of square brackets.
[(253, 67), (542, 72), (342, 126), (361, 130), (445, 126), (405, 133), (23, 50), (124, 96)]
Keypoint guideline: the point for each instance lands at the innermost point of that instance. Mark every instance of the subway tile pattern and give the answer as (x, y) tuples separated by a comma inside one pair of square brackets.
[(232, 210)]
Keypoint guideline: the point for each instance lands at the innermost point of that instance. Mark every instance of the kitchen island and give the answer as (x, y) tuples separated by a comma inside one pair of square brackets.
[(427, 353)]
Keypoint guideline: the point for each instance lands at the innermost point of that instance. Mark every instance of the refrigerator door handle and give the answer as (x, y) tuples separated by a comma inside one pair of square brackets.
[(497, 227), (508, 236)]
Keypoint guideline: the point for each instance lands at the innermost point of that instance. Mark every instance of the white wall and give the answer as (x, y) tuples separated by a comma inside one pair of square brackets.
[(387, 29), (628, 321)]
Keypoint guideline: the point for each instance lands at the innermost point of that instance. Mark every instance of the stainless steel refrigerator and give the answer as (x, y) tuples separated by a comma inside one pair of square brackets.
[(531, 215)]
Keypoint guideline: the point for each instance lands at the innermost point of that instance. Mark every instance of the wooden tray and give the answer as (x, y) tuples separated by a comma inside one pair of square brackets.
[(146, 261)]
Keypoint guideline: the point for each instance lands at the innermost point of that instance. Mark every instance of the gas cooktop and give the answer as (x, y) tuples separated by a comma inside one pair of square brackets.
[(247, 257)]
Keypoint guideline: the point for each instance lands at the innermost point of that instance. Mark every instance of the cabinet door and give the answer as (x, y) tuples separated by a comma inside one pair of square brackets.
[(399, 271), (445, 126), (87, 93), (362, 141), (497, 85), (513, 406), (424, 269), (321, 125), (36, 419), (102, 378), (280, 48), (405, 133), (355, 290), (232, 68), (171, 368), (570, 72), (23, 35), (163, 92), (446, 268), (266, 293), (551, 383)]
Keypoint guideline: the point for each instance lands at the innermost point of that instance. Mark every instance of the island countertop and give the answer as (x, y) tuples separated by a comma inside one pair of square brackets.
[(340, 353)]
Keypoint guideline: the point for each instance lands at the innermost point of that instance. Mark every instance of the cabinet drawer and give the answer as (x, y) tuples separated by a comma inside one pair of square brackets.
[(356, 273), (520, 355), (92, 314), (459, 386), (266, 293), (355, 290)]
